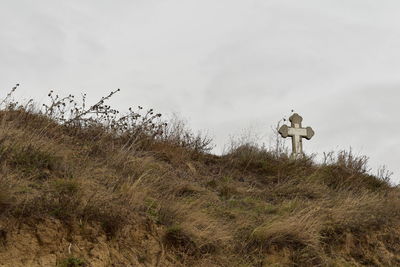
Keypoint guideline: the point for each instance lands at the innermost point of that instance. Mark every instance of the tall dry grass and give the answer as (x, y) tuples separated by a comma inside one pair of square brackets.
[(253, 206)]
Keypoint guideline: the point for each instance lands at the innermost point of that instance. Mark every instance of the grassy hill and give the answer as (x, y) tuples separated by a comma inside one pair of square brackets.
[(80, 192)]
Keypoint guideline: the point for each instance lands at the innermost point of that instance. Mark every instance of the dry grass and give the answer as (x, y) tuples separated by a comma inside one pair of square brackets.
[(250, 207)]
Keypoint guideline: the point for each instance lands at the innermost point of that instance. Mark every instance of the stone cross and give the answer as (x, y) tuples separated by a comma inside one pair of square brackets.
[(297, 133)]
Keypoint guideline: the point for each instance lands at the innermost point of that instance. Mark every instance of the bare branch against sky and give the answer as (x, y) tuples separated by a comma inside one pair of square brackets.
[(225, 65)]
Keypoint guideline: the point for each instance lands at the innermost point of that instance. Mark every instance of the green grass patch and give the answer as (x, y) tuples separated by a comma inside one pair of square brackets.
[(72, 262)]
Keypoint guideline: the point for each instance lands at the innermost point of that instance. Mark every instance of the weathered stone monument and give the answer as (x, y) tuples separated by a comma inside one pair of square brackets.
[(297, 133)]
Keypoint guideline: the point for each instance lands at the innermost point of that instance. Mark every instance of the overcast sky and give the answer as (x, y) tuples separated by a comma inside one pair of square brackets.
[(223, 65)]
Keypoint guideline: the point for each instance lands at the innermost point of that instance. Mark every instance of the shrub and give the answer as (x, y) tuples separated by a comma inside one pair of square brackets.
[(137, 128), (134, 125), (352, 163), (178, 134)]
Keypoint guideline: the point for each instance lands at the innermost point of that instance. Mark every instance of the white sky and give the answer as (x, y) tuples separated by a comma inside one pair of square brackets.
[(224, 65)]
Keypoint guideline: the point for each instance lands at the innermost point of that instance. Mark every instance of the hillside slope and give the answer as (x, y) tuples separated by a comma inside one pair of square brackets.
[(82, 196)]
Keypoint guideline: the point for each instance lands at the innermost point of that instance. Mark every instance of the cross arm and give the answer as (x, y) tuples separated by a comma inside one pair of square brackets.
[(284, 131), (310, 133)]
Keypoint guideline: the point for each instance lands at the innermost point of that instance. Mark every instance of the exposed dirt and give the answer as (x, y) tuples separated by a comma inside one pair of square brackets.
[(48, 242)]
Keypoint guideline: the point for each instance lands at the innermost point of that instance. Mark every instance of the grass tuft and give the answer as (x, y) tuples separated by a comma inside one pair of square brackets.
[(176, 238)]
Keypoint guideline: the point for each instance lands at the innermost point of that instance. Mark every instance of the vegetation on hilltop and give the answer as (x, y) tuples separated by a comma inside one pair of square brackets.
[(86, 186)]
